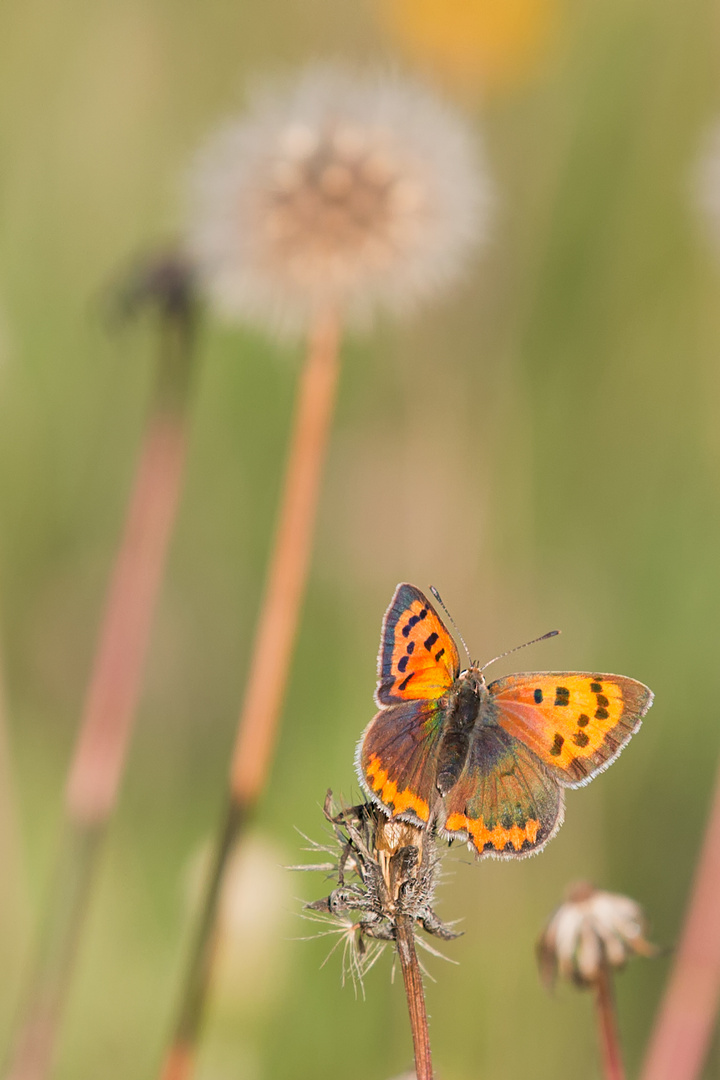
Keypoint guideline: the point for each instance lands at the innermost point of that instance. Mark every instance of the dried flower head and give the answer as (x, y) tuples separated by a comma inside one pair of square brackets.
[(339, 192), (592, 932), (383, 869), (163, 279)]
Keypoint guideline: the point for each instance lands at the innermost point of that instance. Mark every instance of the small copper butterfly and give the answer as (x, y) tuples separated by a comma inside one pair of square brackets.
[(484, 763)]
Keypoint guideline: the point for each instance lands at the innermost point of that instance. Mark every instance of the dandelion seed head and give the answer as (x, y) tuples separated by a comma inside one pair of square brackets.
[(591, 932), (338, 192)]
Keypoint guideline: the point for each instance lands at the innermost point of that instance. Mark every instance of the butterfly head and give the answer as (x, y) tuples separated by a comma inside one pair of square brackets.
[(472, 679)]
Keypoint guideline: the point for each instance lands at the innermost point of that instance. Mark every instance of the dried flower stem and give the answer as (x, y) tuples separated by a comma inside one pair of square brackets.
[(270, 663), (107, 723), (684, 1026), (412, 977), (608, 1029)]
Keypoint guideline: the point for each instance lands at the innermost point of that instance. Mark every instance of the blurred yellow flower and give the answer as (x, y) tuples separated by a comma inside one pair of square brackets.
[(488, 44)]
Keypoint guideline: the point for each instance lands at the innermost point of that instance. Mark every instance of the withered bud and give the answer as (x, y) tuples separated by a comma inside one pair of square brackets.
[(383, 869), (590, 934)]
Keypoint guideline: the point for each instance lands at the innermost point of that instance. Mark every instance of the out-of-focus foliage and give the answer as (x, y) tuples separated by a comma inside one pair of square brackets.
[(544, 448)]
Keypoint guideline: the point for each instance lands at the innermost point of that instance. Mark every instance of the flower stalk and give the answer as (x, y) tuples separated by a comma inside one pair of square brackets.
[(412, 978), (269, 666), (684, 1027), (106, 727), (609, 1035), (287, 577)]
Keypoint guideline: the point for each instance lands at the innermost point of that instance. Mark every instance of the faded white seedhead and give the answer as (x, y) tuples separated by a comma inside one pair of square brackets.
[(591, 933), (336, 192)]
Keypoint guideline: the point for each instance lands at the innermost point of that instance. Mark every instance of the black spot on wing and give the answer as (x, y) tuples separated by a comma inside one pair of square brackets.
[(557, 746), (413, 621)]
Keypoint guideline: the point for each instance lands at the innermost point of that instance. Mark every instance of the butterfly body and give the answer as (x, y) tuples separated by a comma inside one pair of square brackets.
[(461, 708), (485, 763)]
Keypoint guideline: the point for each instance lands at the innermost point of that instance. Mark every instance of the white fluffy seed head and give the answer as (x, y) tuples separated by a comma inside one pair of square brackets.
[(339, 192), (592, 932)]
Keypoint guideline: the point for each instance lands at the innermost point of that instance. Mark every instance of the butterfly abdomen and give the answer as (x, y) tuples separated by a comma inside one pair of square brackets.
[(462, 714)]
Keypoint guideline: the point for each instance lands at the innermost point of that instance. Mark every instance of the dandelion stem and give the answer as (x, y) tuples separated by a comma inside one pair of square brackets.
[(269, 665), (686, 1019), (412, 977), (106, 727), (608, 1029), (277, 628)]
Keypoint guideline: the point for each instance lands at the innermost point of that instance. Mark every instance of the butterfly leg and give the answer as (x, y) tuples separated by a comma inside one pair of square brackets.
[(433, 925)]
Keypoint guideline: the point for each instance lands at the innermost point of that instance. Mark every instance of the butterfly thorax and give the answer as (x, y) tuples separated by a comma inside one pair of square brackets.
[(462, 705)]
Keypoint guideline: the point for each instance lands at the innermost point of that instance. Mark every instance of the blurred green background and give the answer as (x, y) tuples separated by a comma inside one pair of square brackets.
[(544, 447)]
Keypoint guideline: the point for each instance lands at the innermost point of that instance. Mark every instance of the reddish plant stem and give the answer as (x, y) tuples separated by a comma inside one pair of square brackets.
[(111, 704), (608, 1029), (686, 1019), (287, 576), (269, 665), (412, 977), (108, 718), (13, 886)]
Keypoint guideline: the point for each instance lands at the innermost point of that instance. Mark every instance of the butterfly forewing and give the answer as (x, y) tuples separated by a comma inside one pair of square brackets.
[(418, 658), (575, 722)]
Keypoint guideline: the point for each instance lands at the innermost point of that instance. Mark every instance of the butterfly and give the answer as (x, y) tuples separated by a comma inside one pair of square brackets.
[(486, 763)]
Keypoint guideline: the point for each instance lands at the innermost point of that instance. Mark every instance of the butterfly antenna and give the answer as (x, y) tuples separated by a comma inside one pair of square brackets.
[(544, 637), (441, 602)]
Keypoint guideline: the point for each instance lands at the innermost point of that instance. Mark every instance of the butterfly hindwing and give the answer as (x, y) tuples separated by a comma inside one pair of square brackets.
[(418, 658), (397, 758), (575, 722), (505, 803)]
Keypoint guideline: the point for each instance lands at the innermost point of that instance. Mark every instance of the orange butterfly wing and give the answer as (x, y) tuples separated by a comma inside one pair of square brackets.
[(506, 803), (575, 722), (418, 659)]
